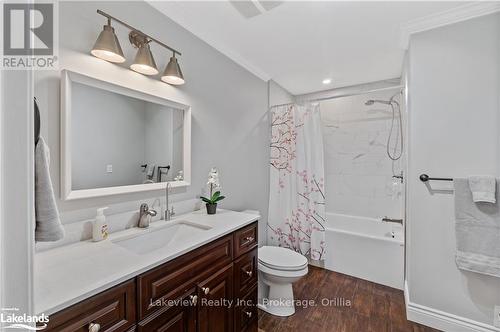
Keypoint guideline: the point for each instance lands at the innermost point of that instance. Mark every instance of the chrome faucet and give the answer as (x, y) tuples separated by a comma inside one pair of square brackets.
[(145, 215), (169, 213)]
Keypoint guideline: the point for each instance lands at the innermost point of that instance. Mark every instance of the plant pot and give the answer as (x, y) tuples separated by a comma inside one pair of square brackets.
[(211, 208)]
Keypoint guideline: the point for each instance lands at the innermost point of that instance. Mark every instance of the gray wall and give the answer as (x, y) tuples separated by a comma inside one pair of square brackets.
[(229, 105), (16, 192), (454, 127)]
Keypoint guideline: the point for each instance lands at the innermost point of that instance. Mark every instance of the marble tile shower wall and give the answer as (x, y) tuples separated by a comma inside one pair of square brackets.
[(357, 170)]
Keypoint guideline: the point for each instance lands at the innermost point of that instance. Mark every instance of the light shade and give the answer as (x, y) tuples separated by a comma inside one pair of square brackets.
[(144, 62), (107, 46), (173, 74)]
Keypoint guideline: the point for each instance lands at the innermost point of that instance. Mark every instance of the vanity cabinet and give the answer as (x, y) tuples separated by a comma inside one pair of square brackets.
[(209, 289)]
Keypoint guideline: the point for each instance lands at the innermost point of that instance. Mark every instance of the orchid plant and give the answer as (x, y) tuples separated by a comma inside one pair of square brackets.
[(214, 188), (213, 198)]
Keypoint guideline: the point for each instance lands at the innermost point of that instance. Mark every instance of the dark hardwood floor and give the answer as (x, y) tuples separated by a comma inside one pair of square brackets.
[(373, 307)]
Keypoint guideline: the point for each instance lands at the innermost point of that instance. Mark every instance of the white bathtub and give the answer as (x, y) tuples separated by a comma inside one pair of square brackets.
[(365, 248)]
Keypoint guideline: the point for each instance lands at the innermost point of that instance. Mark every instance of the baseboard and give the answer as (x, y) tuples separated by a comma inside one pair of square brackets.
[(442, 320)]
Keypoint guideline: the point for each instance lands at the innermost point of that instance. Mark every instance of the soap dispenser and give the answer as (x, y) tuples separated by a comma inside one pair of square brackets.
[(100, 228)]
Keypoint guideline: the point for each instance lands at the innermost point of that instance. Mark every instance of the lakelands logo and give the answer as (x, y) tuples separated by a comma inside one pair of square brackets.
[(11, 318), (29, 36)]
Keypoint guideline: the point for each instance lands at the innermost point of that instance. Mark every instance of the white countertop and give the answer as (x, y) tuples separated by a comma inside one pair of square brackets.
[(69, 274)]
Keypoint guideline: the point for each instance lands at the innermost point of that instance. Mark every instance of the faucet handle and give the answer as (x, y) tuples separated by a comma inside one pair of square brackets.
[(172, 211), (144, 208)]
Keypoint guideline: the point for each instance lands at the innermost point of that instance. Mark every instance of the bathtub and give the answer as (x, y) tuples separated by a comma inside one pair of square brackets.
[(365, 248)]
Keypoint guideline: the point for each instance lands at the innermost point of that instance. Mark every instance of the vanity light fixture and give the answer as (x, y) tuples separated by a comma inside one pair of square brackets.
[(108, 48), (173, 73), (144, 62)]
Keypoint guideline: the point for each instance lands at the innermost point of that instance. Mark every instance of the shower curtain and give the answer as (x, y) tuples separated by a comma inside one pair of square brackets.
[(296, 217)]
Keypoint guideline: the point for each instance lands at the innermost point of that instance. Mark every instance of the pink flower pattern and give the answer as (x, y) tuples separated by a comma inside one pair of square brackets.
[(302, 226)]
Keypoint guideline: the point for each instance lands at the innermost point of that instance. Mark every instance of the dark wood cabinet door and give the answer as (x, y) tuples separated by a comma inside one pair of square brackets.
[(113, 310), (179, 317), (245, 312), (245, 273), (215, 311)]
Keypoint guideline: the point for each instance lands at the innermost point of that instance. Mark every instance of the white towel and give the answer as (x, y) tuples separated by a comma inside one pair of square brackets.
[(48, 225), (477, 230), (483, 188)]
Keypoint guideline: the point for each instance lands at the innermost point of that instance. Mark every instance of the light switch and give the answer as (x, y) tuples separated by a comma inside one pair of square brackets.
[(109, 168)]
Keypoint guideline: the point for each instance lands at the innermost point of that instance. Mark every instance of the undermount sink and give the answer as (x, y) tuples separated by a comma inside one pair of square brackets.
[(155, 238)]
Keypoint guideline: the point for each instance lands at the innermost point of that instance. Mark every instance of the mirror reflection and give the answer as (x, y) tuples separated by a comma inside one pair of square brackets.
[(118, 140)]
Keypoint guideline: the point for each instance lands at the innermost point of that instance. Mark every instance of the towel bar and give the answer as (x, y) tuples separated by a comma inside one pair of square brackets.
[(425, 178)]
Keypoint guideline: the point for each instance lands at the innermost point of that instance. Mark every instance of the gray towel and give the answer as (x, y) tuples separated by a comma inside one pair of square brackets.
[(48, 225), (483, 188), (477, 230)]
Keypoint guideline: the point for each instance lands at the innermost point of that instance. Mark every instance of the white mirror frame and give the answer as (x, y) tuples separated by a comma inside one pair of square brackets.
[(67, 78)]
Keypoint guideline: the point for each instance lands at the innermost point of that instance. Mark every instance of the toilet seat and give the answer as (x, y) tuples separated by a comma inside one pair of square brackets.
[(281, 259)]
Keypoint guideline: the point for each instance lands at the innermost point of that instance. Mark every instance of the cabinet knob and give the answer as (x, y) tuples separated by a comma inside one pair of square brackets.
[(205, 290), (249, 239), (249, 273), (248, 313), (194, 299), (94, 327)]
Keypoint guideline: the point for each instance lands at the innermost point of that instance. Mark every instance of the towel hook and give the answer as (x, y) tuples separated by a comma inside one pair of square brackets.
[(37, 122)]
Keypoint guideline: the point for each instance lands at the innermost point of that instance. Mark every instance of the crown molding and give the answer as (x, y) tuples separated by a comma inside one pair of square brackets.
[(447, 17)]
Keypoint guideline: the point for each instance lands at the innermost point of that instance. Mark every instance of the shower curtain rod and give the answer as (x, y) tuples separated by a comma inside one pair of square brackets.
[(341, 95)]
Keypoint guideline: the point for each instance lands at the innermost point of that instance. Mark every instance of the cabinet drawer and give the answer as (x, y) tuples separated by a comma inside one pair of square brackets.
[(245, 312), (180, 318), (245, 239), (245, 273), (173, 279), (113, 310)]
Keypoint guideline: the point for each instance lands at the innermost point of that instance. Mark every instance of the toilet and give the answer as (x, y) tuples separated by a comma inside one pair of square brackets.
[(279, 268)]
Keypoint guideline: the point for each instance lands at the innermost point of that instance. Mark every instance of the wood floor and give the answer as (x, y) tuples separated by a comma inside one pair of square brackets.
[(374, 308)]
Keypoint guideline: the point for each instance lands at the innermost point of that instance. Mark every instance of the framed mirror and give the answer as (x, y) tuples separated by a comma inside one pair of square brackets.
[(117, 140)]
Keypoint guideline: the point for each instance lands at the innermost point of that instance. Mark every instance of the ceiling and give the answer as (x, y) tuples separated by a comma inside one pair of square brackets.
[(298, 44)]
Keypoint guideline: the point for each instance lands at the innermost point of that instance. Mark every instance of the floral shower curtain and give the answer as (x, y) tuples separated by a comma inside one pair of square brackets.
[(297, 190)]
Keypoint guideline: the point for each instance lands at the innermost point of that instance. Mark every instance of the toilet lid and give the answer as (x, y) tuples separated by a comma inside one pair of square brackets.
[(281, 258)]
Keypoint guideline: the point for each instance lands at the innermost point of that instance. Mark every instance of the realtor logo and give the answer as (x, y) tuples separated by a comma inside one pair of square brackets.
[(29, 36), (13, 318)]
